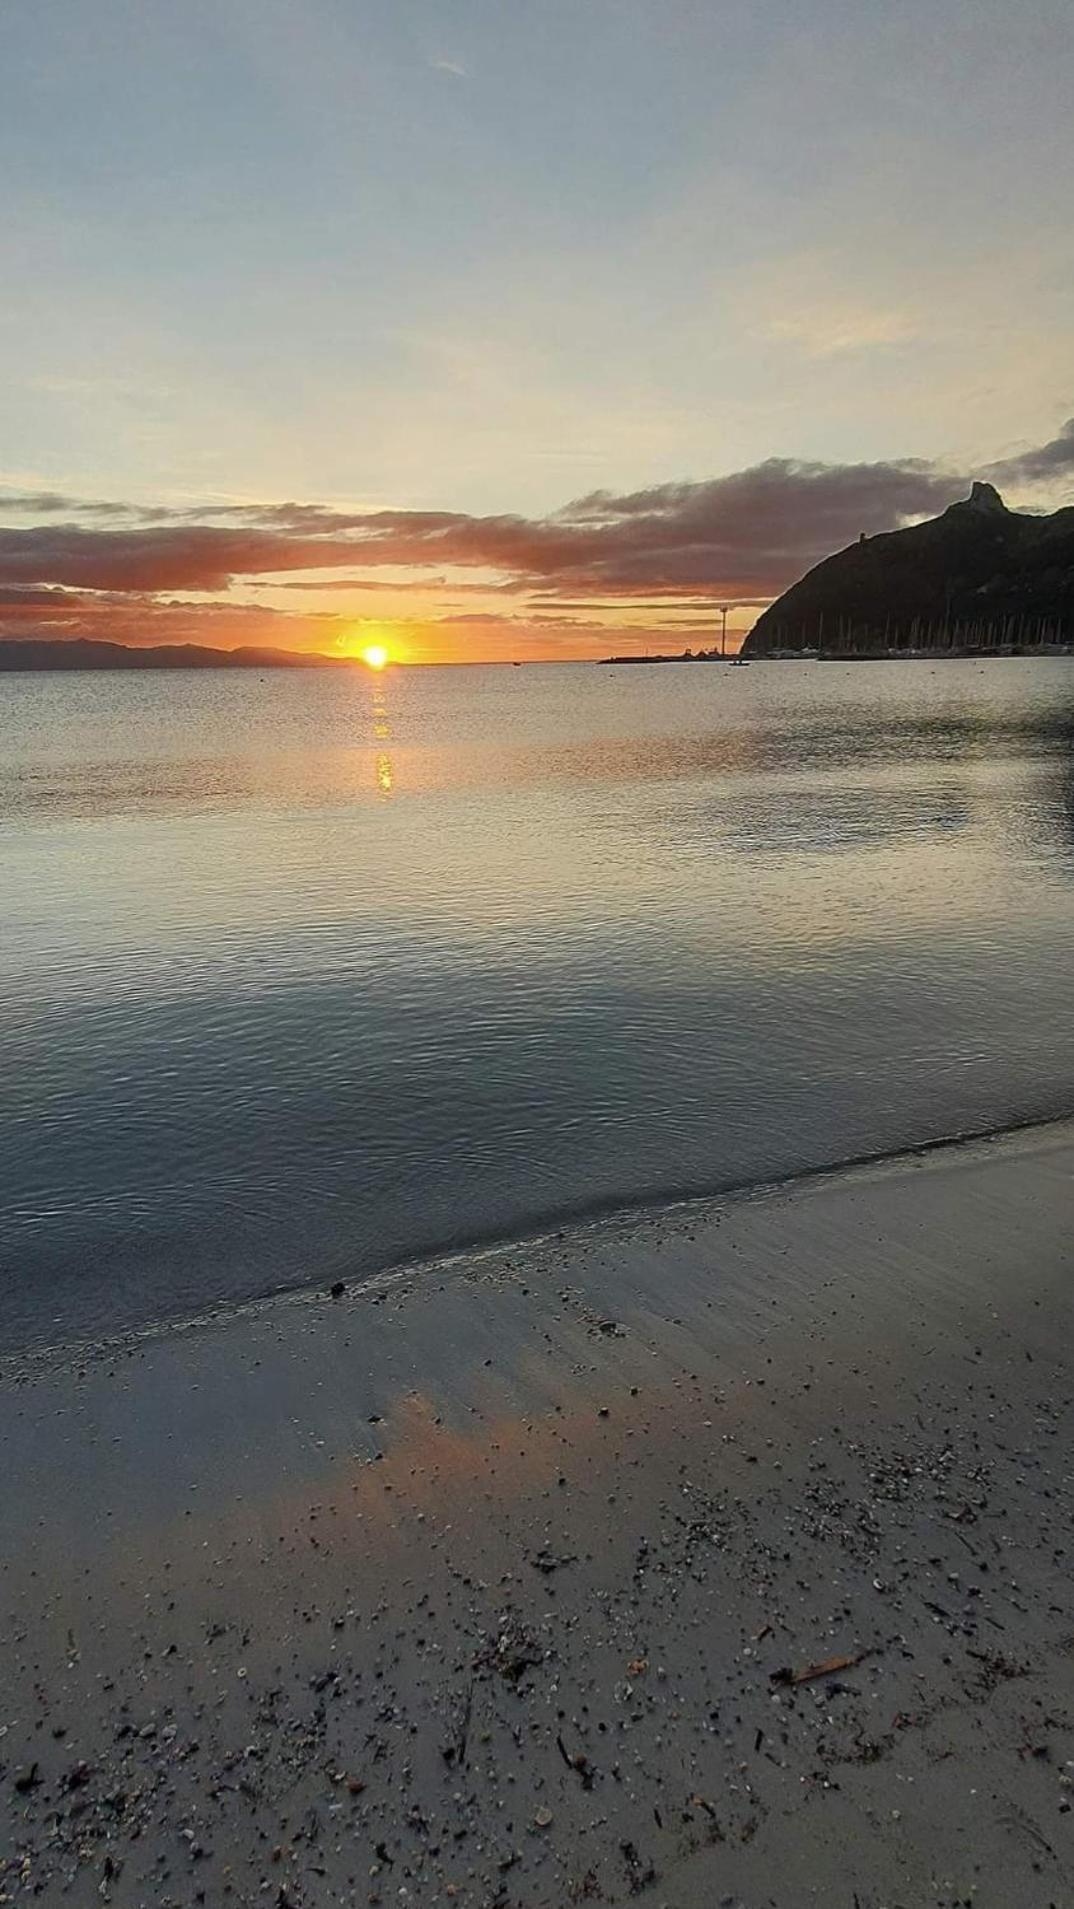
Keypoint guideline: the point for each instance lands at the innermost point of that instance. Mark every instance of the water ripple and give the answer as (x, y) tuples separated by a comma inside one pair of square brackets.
[(299, 977)]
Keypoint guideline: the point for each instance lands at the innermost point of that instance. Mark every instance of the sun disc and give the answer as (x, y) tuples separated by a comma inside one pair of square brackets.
[(375, 656)]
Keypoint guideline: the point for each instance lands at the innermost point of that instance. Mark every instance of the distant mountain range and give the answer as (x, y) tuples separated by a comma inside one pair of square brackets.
[(19, 653), (979, 577)]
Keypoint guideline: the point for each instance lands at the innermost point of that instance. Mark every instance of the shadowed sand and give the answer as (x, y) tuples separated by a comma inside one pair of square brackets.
[(487, 1583)]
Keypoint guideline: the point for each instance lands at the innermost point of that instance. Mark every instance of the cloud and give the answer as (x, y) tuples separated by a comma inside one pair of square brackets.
[(829, 331), (139, 620), (1040, 465), (740, 538), (44, 503), (745, 534), (437, 581)]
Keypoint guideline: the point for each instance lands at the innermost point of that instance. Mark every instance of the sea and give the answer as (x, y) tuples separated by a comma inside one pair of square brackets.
[(307, 974)]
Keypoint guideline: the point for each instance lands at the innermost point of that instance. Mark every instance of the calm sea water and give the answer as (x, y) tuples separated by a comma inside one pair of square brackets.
[(303, 974)]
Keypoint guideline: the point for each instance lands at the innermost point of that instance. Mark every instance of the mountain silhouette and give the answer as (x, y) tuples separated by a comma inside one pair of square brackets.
[(979, 576), (36, 652)]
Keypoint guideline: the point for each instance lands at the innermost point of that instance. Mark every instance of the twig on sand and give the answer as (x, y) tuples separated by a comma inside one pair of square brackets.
[(576, 1761), (809, 1672), (454, 1754)]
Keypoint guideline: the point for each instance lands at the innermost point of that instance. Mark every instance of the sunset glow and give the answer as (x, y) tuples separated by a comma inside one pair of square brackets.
[(643, 342)]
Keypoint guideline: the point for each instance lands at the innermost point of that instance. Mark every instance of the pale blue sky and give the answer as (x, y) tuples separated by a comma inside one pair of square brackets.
[(489, 254)]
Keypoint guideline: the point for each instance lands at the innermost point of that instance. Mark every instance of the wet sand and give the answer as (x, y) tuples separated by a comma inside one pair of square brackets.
[(719, 1556)]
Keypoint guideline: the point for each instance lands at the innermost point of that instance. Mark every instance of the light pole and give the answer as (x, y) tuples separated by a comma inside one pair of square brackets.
[(723, 608)]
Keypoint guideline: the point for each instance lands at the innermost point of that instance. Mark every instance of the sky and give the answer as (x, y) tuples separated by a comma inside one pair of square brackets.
[(507, 329)]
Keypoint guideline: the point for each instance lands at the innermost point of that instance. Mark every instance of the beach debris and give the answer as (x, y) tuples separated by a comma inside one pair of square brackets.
[(576, 1761), (640, 1874), (28, 1779), (543, 1816), (514, 1651), (337, 1288), (809, 1672), (454, 1752), (702, 1803), (996, 1668), (637, 1666), (547, 1561)]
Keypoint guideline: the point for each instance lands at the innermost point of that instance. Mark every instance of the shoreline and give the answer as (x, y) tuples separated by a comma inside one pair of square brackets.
[(485, 1586), (576, 1226), (1001, 654)]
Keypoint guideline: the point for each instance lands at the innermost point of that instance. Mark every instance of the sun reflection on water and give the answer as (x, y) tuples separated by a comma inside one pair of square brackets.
[(382, 733)]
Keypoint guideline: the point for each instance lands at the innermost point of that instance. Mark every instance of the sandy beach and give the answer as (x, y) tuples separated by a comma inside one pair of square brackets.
[(712, 1556)]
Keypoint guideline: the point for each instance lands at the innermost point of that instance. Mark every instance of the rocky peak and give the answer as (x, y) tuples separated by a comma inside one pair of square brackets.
[(985, 497)]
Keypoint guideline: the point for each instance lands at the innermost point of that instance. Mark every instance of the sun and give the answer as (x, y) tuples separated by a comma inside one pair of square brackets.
[(375, 656)]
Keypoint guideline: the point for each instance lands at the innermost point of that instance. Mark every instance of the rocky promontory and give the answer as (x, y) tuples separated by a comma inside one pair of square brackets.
[(978, 577)]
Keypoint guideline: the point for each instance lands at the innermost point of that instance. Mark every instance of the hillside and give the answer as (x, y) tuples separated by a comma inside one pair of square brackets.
[(979, 576), (26, 653)]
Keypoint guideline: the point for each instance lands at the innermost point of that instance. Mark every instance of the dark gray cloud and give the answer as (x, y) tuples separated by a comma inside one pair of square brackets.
[(743, 535), (55, 504), (1039, 465)]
